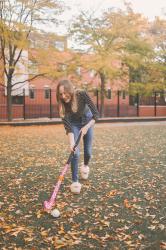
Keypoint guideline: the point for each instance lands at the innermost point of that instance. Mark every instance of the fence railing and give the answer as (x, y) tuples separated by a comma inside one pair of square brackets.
[(38, 103)]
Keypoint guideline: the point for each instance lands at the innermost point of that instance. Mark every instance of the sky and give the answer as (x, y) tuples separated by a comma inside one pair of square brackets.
[(149, 8)]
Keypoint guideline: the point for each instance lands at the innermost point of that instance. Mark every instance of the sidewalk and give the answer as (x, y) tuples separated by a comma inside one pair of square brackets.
[(53, 121)]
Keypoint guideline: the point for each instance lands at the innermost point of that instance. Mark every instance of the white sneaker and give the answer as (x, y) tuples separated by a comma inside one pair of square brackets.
[(75, 187), (84, 172)]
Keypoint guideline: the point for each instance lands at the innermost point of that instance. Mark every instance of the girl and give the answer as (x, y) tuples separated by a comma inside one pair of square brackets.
[(78, 113)]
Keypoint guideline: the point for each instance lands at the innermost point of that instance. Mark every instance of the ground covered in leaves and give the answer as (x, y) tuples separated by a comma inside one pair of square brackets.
[(121, 206)]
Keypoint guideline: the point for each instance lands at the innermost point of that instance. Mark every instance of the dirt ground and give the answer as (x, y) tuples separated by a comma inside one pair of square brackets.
[(121, 206)]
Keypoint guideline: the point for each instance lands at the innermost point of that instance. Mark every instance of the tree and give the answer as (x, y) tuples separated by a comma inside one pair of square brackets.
[(146, 56), (157, 71), (18, 18), (93, 33), (112, 41), (148, 69)]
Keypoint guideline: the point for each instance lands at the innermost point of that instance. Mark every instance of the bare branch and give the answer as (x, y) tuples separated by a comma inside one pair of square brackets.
[(29, 79)]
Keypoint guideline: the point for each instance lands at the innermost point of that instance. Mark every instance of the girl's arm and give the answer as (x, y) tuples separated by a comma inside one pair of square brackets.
[(67, 125), (94, 111), (91, 106), (87, 126), (71, 140), (69, 132)]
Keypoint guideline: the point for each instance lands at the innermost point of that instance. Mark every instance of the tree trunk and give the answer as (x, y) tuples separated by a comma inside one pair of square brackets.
[(102, 94), (9, 102)]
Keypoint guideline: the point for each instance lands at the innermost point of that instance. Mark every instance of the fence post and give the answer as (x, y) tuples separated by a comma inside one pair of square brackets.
[(118, 103), (24, 115), (137, 104), (155, 103), (50, 104), (97, 99)]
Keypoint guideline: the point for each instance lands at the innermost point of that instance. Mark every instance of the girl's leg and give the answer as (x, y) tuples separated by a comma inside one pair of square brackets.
[(88, 138), (75, 159)]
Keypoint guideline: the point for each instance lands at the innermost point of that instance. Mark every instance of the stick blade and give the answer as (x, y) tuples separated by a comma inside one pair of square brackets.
[(48, 205)]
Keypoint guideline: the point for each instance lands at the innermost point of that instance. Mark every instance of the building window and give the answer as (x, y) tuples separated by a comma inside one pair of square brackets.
[(92, 73), (47, 93), (62, 67), (39, 43), (109, 94), (33, 68), (123, 95), (78, 71), (33, 43), (59, 45), (32, 93), (17, 99)]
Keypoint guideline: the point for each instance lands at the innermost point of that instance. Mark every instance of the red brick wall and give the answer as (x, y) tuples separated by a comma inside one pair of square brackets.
[(150, 111), (16, 109), (161, 111)]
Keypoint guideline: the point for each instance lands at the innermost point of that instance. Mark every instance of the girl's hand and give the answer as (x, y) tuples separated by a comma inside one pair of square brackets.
[(87, 126), (72, 148), (84, 130)]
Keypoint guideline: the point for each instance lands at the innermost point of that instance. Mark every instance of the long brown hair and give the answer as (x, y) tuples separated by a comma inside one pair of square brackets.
[(69, 88)]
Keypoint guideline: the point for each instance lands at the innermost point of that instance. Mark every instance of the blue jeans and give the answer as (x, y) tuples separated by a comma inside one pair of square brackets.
[(87, 141)]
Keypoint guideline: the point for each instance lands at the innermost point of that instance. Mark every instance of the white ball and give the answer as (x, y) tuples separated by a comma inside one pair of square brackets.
[(55, 213)]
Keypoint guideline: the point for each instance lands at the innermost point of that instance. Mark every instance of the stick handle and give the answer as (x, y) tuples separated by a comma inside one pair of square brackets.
[(78, 140), (75, 145)]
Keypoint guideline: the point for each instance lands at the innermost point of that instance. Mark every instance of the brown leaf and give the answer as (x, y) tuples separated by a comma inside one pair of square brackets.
[(127, 204)]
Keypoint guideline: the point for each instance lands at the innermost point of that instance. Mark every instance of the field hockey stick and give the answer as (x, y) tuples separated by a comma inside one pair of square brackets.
[(49, 204)]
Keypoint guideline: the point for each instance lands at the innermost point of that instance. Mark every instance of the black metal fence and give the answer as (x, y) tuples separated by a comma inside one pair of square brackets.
[(39, 103)]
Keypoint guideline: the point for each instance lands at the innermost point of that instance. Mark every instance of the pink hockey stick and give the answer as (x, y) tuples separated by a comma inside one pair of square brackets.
[(49, 204)]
